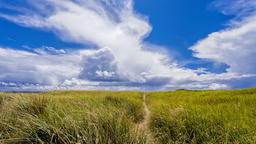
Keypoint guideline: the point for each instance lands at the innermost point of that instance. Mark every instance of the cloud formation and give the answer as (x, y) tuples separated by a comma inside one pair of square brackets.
[(235, 45), (122, 60), (44, 69)]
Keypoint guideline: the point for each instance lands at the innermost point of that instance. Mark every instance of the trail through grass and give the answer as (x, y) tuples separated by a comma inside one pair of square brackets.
[(103, 117), (144, 125)]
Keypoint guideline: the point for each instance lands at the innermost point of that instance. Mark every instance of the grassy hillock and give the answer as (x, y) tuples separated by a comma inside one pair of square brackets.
[(102, 117)]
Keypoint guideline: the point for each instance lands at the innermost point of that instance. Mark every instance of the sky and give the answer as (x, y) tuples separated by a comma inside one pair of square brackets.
[(127, 45)]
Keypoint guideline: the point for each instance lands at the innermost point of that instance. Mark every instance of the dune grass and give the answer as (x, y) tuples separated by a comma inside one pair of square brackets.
[(71, 117), (204, 116), (104, 117)]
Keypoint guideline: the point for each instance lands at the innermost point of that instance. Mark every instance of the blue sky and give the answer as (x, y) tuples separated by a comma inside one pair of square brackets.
[(179, 24), (172, 26), (122, 45)]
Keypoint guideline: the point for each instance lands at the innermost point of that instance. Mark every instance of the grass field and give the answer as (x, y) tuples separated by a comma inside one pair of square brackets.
[(101, 117), (204, 116)]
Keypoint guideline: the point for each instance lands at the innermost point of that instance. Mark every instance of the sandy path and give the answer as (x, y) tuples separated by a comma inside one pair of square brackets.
[(144, 125)]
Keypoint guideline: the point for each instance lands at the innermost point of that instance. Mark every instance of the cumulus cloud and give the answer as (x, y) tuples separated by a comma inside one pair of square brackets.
[(122, 60), (111, 24), (235, 45), (216, 86), (27, 67), (99, 66)]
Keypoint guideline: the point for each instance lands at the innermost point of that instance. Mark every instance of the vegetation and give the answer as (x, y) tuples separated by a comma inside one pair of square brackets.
[(204, 116), (103, 117), (71, 117)]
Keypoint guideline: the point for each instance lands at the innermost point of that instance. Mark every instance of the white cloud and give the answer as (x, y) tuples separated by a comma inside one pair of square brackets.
[(122, 59), (27, 67), (49, 50), (90, 21), (216, 86), (234, 46), (239, 8)]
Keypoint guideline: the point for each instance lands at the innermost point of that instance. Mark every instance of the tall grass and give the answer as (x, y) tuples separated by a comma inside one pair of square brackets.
[(204, 116), (103, 117), (72, 117), (1, 101)]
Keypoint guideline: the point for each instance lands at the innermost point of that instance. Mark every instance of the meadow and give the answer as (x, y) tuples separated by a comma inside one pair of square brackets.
[(104, 117), (204, 116)]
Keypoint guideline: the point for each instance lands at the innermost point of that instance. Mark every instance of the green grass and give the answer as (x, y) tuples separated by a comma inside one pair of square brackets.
[(104, 117), (71, 117), (204, 116)]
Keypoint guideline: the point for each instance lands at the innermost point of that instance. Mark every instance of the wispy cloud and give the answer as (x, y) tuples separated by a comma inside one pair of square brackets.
[(239, 8), (235, 45), (45, 69), (122, 59)]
